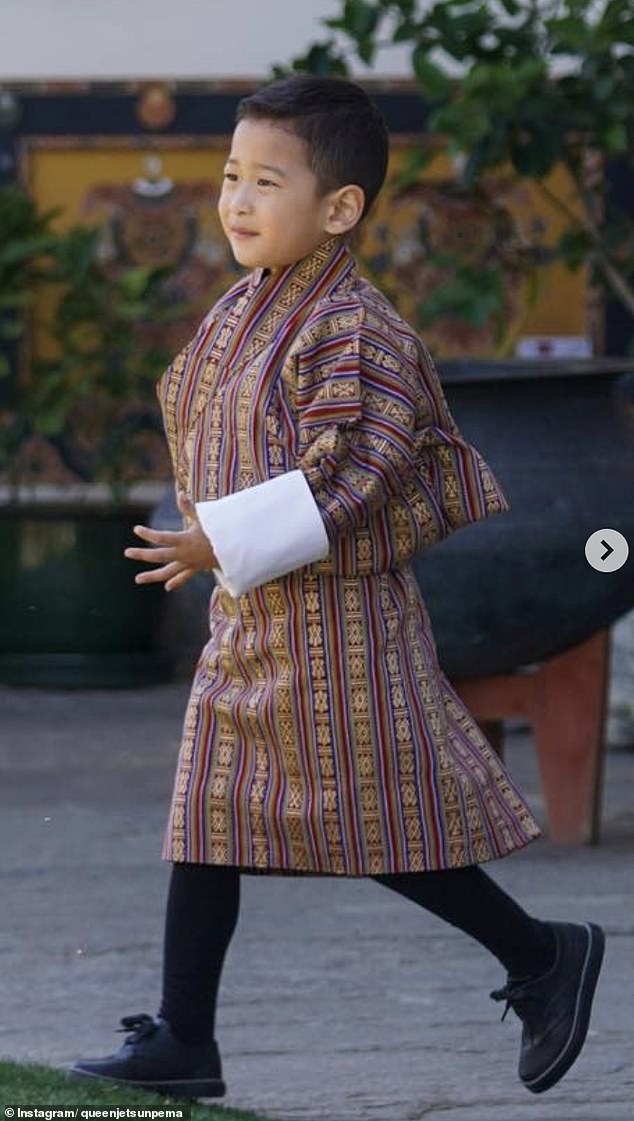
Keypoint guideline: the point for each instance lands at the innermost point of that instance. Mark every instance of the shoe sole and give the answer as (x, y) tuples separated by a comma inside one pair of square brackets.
[(190, 1088), (576, 1039)]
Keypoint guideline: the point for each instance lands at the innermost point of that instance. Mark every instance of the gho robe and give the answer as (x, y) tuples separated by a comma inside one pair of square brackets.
[(306, 422)]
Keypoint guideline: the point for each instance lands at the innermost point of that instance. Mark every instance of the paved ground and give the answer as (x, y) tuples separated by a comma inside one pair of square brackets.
[(340, 1001)]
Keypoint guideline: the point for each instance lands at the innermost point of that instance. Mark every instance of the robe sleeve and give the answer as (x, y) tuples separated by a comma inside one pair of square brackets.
[(263, 532), (374, 426)]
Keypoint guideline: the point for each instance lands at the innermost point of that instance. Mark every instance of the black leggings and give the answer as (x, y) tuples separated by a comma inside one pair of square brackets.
[(202, 913)]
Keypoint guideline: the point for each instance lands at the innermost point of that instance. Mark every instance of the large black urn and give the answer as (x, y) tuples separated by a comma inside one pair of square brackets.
[(517, 588)]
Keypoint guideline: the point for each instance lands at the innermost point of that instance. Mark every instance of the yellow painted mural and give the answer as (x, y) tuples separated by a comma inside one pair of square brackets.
[(155, 202)]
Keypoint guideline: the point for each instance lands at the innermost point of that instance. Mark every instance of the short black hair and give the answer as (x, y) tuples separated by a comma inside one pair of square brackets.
[(345, 134)]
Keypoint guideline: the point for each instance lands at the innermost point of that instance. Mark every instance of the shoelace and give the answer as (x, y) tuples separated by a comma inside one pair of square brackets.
[(140, 1025), (519, 996)]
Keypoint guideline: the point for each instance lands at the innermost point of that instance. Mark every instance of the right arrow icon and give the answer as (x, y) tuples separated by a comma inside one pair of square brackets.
[(606, 550)]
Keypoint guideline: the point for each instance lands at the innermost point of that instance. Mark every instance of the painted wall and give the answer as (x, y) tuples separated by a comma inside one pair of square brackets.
[(103, 39)]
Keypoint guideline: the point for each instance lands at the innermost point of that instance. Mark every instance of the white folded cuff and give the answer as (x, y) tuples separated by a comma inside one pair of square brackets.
[(264, 531)]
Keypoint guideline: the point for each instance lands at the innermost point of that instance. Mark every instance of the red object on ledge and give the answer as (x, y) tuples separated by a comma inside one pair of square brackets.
[(564, 699)]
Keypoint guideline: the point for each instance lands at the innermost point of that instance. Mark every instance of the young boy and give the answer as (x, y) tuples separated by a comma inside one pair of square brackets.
[(314, 456)]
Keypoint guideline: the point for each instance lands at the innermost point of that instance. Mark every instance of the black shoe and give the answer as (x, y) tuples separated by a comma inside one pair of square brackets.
[(555, 1008), (152, 1058)]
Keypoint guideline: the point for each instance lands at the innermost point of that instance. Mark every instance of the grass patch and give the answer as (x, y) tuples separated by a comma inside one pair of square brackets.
[(30, 1084)]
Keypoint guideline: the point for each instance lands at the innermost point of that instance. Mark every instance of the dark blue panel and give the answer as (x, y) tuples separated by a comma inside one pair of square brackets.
[(101, 112)]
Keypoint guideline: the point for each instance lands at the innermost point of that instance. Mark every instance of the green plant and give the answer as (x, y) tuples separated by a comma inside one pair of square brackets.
[(27, 238), (96, 396), (90, 391), (524, 84)]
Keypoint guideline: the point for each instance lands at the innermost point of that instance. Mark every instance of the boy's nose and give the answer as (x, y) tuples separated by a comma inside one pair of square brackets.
[(242, 200)]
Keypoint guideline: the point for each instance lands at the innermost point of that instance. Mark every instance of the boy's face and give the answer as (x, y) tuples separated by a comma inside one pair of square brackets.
[(269, 205)]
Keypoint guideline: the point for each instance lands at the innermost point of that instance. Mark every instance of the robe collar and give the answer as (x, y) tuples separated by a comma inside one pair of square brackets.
[(330, 263)]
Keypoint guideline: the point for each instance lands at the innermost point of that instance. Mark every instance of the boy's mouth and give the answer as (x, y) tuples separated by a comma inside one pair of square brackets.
[(243, 233)]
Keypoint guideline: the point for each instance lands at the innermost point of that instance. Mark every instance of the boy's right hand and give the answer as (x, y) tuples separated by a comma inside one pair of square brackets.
[(180, 554)]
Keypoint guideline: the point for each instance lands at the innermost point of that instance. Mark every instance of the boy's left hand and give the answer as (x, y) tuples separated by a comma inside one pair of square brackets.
[(180, 554)]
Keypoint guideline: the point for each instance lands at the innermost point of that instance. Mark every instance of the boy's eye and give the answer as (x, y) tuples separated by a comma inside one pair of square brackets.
[(261, 182)]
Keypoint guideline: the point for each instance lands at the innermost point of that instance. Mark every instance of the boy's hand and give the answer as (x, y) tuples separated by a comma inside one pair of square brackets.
[(180, 554)]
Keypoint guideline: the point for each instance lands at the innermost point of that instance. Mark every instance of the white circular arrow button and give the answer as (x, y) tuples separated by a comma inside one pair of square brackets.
[(607, 550)]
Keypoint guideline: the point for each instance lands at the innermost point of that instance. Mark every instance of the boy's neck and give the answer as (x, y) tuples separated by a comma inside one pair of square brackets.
[(332, 241)]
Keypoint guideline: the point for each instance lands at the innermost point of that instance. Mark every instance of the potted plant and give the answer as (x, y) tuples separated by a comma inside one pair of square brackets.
[(82, 410), (519, 89)]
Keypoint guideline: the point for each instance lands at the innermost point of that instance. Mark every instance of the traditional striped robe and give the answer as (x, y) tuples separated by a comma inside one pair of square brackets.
[(321, 735)]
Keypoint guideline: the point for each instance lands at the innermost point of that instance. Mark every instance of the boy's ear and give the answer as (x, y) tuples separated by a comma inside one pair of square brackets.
[(345, 209)]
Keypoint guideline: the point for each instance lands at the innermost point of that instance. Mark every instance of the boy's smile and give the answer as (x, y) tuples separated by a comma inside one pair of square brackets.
[(269, 206)]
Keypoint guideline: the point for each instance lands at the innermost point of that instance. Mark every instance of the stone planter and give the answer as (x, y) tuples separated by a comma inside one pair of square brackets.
[(72, 615)]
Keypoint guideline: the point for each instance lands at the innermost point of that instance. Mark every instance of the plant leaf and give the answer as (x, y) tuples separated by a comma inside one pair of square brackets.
[(435, 83)]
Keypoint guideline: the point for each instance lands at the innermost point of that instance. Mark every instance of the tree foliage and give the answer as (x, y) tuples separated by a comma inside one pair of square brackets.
[(528, 84)]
